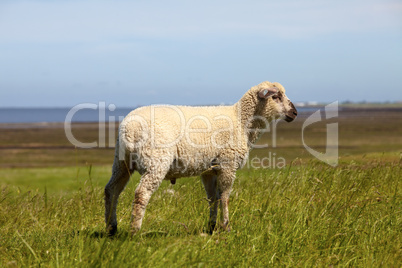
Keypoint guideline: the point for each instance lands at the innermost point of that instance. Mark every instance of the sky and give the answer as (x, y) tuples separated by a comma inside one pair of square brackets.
[(131, 53)]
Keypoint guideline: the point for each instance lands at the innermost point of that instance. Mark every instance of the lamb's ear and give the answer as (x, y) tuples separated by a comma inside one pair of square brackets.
[(267, 92)]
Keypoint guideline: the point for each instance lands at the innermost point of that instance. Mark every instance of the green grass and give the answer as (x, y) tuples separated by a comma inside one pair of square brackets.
[(308, 214), (55, 180)]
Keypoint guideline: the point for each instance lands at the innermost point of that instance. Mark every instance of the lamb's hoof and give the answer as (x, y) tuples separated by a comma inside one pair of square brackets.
[(211, 227), (173, 181), (226, 228), (112, 230), (135, 229)]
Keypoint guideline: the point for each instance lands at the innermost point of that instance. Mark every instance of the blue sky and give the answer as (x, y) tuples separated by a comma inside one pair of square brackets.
[(129, 53)]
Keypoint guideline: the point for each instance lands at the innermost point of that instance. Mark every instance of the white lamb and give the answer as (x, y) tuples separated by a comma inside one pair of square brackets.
[(169, 142)]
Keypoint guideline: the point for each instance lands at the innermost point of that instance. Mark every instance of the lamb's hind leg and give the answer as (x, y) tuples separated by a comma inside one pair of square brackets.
[(149, 183), (211, 189), (116, 184)]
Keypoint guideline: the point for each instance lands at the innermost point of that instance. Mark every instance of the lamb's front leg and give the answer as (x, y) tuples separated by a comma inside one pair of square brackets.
[(209, 181), (225, 183)]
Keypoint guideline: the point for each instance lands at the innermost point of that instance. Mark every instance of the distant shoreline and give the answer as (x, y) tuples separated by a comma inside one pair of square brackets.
[(344, 112)]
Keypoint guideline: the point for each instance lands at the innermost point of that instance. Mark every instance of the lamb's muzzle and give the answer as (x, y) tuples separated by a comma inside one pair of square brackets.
[(291, 114)]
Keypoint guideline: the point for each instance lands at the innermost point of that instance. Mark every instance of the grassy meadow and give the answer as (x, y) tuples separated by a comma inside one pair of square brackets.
[(305, 214)]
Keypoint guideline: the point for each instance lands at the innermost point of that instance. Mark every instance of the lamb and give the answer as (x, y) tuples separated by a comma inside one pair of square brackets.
[(168, 142)]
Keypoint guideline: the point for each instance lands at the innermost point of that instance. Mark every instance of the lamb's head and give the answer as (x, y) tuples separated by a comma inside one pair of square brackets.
[(273, 101)]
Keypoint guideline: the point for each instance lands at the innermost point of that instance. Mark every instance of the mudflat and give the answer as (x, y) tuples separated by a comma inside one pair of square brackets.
[(362, 131)]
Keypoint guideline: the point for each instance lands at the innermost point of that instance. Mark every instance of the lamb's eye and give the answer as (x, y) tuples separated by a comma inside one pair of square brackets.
[(275, 97)]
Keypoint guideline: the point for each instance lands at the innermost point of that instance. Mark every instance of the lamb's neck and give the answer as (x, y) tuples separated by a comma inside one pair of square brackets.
[(247, 109)]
